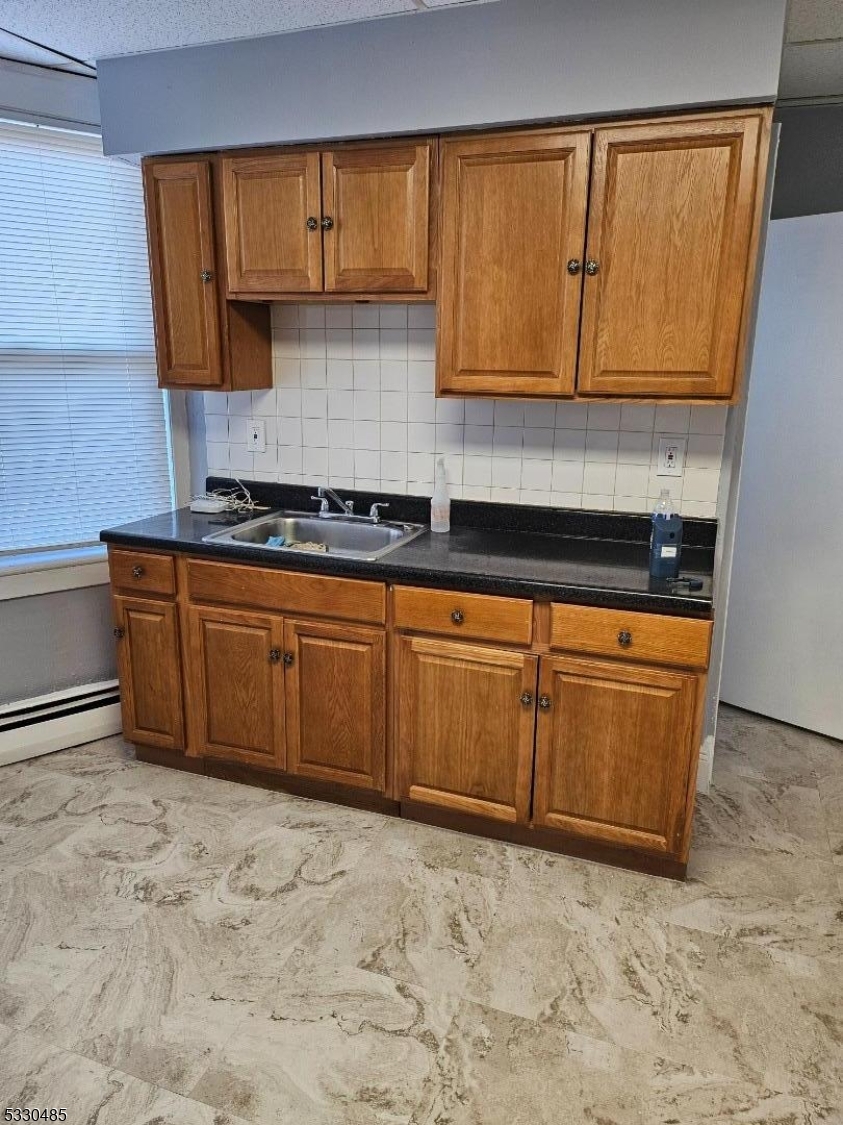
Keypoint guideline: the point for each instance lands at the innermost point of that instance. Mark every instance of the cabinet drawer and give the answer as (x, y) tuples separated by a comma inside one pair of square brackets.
[(312, 595), (681, 642), (451, 613), (140, 572)]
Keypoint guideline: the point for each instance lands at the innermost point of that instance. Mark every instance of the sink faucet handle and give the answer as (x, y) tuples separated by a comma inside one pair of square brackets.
[(374, 512), (323, 502)]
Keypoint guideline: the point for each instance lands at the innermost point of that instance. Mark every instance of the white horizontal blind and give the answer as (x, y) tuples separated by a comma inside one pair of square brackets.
[(84, 441)]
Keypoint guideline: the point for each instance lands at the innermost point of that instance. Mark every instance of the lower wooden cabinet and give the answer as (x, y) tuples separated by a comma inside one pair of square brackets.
[(236, 675), (614, 747), (465, 723), (149, 667), (336, 702)]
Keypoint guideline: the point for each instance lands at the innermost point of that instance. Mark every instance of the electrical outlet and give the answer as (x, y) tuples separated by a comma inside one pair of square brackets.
[(256, 435), (671, 457)]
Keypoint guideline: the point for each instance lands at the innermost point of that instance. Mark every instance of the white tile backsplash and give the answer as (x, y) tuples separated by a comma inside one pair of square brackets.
[(354, 406)]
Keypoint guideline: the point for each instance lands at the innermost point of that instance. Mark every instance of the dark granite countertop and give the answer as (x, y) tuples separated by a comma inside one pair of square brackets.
[(590, 558)]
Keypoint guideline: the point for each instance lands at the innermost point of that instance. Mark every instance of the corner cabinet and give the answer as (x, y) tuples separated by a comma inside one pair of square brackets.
[(648, 298), (202, 341), (351, 220)]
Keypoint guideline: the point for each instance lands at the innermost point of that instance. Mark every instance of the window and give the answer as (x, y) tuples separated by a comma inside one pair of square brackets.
[(84, 433)]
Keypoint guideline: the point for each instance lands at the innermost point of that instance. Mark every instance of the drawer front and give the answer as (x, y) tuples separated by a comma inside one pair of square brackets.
[(311, 595), (139, 572), (452, 614), (680, 642)]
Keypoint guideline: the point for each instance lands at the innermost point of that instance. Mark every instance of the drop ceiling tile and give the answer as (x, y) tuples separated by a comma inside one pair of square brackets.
[(809, 20), (812, 70)]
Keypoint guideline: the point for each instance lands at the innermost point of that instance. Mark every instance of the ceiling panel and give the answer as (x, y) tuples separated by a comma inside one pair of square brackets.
[(808, 20), (812, 70), (91, 29)]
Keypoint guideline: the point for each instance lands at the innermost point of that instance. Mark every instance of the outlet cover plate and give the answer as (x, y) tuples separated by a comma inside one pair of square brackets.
[(671, 457), (256, 435)]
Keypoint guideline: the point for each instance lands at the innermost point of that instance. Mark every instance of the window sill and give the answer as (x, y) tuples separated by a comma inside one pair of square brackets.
[(47, 572)]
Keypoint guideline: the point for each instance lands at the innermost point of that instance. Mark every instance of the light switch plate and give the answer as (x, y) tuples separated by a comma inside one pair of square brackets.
[(256, 435), (671, 457)]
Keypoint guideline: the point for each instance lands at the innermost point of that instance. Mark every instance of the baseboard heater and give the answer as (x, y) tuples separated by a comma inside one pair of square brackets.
[(46, 723)]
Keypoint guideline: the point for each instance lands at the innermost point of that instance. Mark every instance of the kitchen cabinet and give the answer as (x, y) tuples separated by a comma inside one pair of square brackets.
[(670, 257), (614, 748), (350, 220), (149, 667), (513, 232), (572, 727), (272, 209), (465, 723), (648, 298), (202, 341), (335, 682), (236, 675)]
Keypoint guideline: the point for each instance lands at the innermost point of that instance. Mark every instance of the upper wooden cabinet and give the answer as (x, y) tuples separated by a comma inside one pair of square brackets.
[(180, 222), (272, 210), (513, 229), (202, 341), (671, 221), (355, 219), (663, 267), (377, 220)]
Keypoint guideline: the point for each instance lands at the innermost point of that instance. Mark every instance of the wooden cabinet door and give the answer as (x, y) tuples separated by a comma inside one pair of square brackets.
[(376, 203), (149, 667), (268, 202), (465, 720), (179, 218), (336, 702), (671, 223), (237, 685), (513, 216), (614, 751)]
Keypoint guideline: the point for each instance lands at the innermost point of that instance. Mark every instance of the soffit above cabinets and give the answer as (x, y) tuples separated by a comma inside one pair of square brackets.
[(103, 28)]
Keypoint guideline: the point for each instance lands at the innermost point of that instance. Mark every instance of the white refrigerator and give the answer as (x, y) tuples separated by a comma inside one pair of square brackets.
[(784, 629)]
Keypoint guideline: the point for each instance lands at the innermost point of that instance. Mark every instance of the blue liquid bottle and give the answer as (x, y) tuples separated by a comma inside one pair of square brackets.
[(665, 539)]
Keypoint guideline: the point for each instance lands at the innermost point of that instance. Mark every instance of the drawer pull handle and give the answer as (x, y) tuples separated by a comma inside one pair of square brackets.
[(624, 638), (119, 633), (288, 659), (137, 572), (526, 698), (457, 616), (274, 655), (544, 702)]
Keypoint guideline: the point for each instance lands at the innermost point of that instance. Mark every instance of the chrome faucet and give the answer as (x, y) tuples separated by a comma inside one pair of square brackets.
[(323, 495)]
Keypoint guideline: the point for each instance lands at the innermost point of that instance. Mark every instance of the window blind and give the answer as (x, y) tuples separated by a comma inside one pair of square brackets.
[(84, 437)]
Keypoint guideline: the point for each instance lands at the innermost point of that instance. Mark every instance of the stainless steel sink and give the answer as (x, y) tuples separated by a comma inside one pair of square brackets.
[(347, 537)]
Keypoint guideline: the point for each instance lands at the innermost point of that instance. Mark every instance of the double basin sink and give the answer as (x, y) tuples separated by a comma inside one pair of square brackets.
[(340, 536)]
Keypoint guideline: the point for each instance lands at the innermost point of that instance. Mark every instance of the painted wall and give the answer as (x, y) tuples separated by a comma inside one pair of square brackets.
[(517, 60), (55, 641)]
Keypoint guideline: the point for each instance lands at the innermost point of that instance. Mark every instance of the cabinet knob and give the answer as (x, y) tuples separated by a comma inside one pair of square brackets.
[(312, 223), (624, 638), (206, 276), (119, 633), (574, 266), (526, 698), (591, 267), (457, 616), (137, 572), (544, 702), (275, 655), (327, 223), (288, 659)]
